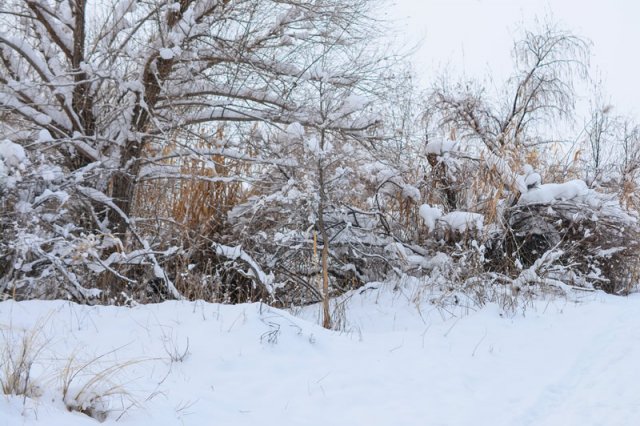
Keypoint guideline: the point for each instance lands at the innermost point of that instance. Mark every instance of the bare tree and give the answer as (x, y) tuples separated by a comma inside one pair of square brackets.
[(307, 219), (630, 167), (600, 142), (540, 92)]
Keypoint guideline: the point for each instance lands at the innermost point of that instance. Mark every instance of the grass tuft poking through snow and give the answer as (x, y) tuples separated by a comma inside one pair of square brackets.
[(31, 369), (19, 353), (89, 387)]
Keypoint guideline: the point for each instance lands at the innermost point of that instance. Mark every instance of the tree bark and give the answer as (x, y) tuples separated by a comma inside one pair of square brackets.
[(326, 314)]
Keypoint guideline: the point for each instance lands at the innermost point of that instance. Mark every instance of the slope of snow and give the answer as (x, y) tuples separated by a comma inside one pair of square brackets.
[(399, 361)]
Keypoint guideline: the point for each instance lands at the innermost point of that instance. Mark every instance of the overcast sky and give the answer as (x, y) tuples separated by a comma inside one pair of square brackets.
[(474, 37)]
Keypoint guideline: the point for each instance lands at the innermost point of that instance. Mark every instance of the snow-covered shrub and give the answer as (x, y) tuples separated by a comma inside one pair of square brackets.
[(534, 235), (597, 239), (550, 234), (119, 110), (51, 246), (279, 230)]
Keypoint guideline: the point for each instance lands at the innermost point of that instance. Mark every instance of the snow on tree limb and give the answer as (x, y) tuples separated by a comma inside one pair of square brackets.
[(234, 253)]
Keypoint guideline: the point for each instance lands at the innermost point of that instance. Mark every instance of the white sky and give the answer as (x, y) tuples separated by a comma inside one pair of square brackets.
[(474, 37)]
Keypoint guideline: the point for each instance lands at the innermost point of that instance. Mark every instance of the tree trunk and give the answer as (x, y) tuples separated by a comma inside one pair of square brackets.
[(326, 315)]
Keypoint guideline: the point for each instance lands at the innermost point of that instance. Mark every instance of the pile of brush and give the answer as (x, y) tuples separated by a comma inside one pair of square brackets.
[(597, 239)]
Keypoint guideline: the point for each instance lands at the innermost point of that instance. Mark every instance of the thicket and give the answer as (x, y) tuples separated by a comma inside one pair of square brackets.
[(242, 151)]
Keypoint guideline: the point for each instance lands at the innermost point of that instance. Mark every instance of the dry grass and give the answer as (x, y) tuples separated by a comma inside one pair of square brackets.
[(174, 351), (90, 387), (18, 356), (201, 191), (188, 209), (94, 387), (630, 195)]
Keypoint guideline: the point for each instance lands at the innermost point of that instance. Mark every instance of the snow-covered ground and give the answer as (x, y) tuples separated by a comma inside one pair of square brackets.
[(400, 361)]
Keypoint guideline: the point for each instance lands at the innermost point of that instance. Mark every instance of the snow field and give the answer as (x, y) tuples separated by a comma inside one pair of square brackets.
[(399, 361)]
